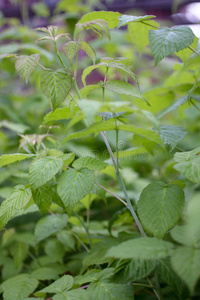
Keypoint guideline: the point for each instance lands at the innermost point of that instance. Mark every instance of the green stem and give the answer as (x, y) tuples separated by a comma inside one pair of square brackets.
[(111, 193), (117, 141), (144, 285), (193, 50), (158, 286), (175, 177), (58, 54), (155, 291), (85, 227), (76, 88), (153, 26), (81, 242)]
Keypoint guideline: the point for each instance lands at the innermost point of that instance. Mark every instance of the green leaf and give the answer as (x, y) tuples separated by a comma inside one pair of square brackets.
[(195, 86), (56, 85), (19, 287), (172, 135), (186, 262), (73, 185), (87, 48), (20, 251), (59, 114), (124, 88), (71, 48), (44, 169), (90, 163), (17, 127), (25, 65), (189, 164), (64, 283), (110, 125), (124, 19), (73, 295), (99, 26), (49, 225), (7, 159), (165, 272), (133, 270), (160, 206), (134, 152), (141, 248), (43, 197), (115, 65), (45, 274), (111, 291), (110, 17), (166, 41), (17, 201)]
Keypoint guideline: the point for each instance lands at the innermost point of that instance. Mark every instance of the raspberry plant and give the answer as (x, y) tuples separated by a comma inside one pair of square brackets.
[(148, 245)]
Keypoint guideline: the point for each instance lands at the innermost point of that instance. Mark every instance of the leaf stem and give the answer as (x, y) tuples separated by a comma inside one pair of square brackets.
[(81, 242), (153, 26), (145, 285), (174, 178), (85, 227), (111, 193), (193, 50)]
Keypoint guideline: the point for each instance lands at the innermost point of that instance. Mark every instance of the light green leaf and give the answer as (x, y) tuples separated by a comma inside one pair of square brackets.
[(71, 48), (59, 114), (56, 85), (172, 135), (90, 163), (186, 262), (17, 201), (166, 41), (64, 283), (124, 88), (186, 53), (110, 17), (172, 107), (99, 26), (25, 65), (20, 251), (87, 48), (134, 152), (19, 287), (73, 185), (191, 91), (45, 274), (165, 272), (110, 125), (188, 165), (160, 206), (7, 159), (124, 19), (115, 65), (16, 127), (49, 225), (142, 248), (44, 169), (87, 89), (43, 197)]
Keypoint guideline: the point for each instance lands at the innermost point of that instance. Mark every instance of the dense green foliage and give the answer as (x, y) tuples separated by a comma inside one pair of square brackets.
[(100, 164)]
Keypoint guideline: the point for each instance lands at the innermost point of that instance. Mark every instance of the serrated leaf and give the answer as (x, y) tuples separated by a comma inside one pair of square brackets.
[(71, 48), (17, 201), (115, 65), (110, 291), (99, 26), (49, 225), (25, 65), (87, 48), (172, 135), (165, 272), (90, 163), (7, 159), (166, 41), (110, 125), (110, 17), (58, 114), (124, 19), (133, 270), (124, 88), (56, 85), (160, 206), (62, 284), (44, 169), (189, 166), (75, 294), (43, 197), (141, 248), (186, 262), (20, 286), (73, 185), (45, 274)]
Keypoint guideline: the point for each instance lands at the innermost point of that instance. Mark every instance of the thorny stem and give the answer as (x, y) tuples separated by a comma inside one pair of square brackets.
[(85, 227)]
